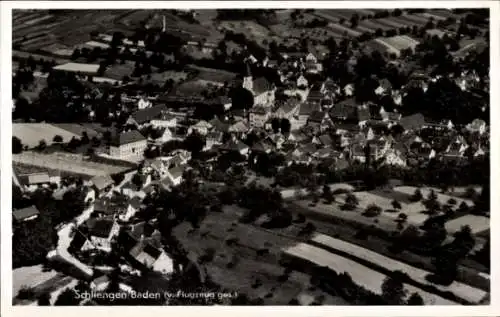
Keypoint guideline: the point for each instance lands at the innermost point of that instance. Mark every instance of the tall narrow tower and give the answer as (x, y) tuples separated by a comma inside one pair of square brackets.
[(248, 79), (164, 21)]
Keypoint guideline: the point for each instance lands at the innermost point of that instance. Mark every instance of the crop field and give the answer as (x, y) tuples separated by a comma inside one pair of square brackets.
[(434, 16), (30, 276), (340, 29), (406, 22), (391, 23), (461, 290), (442, 198), (211, 74), (373, 25), (160, 78), (418, 20), (66, 163), (361, 275)]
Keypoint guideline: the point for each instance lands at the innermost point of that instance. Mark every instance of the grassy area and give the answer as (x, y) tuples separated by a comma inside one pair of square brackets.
[(249, 267), (380, 241)]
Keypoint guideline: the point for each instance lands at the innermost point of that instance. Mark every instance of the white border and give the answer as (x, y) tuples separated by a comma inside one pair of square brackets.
[(6, 170)]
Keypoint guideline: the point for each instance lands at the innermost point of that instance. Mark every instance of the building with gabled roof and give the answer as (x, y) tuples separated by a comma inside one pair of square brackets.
[(145, 116), (126, 144), (25, 214)]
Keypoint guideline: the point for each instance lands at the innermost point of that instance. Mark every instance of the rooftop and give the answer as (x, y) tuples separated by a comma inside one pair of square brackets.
[(127, 138)]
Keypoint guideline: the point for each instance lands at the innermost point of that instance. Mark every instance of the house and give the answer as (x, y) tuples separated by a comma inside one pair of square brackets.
[(102, 183), (202, 127), (33, 180), (105, 207), (262, 147), (439, 126), (165, 120), (326, 153), (314, 96), (213, 138), (220, 126), (363, 115), (384, 87), (276, 139), (319, 121), (302, 82), (144, 117), (288, 110), (102, 231), (147, 256), (395, 157), (345, 110), (79, 243), (175, 175), (166, 134), (413, 122), (323, 140), (261, 88), (477, 126), (235, 146), (100, 284), (131, 143), (238, 128), (144, 103), (25, 214), (349, 90), (134, 205), (258, 116), (305, 110)]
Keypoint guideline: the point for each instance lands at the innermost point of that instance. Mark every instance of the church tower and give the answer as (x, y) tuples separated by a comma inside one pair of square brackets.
[(248, 80)]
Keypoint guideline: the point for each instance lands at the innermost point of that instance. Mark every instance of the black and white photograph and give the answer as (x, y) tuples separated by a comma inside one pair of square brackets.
[(250, 156)]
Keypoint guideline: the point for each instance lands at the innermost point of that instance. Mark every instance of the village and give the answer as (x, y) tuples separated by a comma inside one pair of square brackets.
[(327, 175)]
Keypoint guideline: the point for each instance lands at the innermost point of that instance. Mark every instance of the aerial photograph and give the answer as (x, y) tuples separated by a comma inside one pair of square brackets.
[(250, 157)]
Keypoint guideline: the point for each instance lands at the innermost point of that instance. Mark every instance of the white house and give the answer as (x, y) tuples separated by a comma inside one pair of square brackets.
[(302, 82), (144, 103), (202, 127), (349, 90), (102, 232)]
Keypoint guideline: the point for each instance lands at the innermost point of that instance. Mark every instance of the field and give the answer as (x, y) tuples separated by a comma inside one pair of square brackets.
[(30, 276), (211, 74), (252, 30), (30, 134), (161, 78), (216, 229), (118, 71), (461, 290), (476, 223), (361, 275)]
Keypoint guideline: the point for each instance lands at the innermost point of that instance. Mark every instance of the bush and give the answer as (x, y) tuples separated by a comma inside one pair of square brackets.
[(372, 211), (57, 139), (117, 178), (452, 201), (417, 195), (17, 145)]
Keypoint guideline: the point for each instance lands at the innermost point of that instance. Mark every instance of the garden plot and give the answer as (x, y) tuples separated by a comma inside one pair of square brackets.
[(434, 16), (461, 290), (360, 274), (402, 20), (30, 134), (476, 223), (401, 42)]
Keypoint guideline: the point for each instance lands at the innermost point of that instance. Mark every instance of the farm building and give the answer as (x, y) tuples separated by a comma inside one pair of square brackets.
[(86, 69), (127, 144)]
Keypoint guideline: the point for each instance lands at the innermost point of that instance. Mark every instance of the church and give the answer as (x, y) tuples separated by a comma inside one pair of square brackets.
[(261, 88)]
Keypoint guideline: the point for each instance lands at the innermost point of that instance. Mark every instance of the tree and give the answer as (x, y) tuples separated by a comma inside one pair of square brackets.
[(44, 300), (417, 195), (241, 98), (285, 125), (393, 291), (57, 139), (118, 178), (351, 202), (415, 300), (396, 204), (275, 124), (464, 242), (137, 180), (17, 145), (194, 143), (42, 145), (67, 298), (372, 211)]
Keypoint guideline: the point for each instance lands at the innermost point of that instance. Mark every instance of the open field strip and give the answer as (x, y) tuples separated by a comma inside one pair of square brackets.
[(34, 31), (390, 22), (327, 16), (461, 290), (26, 17), (476, 223), (372, 24), (46, 19), (417, 20), (360, 274), (442, 198), (402, 20), (333, 14), (31, 133), (342, 29), (445, 13), (401, 42), (364, 29), (434, 16)]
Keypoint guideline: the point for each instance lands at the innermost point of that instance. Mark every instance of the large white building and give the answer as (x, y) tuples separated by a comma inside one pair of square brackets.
[(128, 144)]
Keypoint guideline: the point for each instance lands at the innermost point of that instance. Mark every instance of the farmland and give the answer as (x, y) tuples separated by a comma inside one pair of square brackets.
[(461, 290), (219, 228), (361, 275)]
